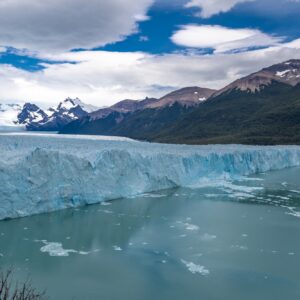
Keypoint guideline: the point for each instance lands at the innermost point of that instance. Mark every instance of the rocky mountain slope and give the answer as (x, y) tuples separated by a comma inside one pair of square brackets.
[(287, 72), (138, 117), (189, 96)]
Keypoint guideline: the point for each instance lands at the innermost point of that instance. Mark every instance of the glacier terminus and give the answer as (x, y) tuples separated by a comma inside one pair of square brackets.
[(43, 173)]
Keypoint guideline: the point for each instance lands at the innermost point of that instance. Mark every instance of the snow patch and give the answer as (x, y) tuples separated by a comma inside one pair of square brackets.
[(282, 73)]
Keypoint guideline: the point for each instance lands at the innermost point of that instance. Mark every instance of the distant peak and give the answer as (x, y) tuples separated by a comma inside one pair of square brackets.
[(70, 103), (287, 72), (187, 96)]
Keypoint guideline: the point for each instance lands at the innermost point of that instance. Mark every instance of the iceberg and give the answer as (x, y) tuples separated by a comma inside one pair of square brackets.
[(44, 173)]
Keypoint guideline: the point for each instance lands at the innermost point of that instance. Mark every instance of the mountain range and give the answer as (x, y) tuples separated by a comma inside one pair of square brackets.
[(262, 108), (33, 118)]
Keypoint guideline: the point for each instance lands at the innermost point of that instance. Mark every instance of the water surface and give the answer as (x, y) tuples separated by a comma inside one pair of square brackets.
[(237, 240)]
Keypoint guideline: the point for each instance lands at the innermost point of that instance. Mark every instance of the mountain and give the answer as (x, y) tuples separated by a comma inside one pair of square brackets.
[(31, 117), (130, 117), (31, 114), (53, 119), (262, 108), (287, 73), (189, 96), (124, 106), (140, 124)]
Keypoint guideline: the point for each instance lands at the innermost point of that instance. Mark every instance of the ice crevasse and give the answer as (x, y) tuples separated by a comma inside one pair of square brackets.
[(46, 173)]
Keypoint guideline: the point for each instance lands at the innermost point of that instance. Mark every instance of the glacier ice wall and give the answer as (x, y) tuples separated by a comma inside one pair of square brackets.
[(46, 173)]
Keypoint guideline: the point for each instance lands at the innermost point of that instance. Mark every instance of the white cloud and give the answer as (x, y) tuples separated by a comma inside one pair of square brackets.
[(61, 25), (213, 7), (221, 39), (103, 78)]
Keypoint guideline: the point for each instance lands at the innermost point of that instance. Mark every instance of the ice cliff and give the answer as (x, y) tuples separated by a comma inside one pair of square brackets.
[(46, 173)]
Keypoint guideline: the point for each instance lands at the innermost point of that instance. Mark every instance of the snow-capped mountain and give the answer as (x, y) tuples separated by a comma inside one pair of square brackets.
[(53, 118), (287, 72), (31, 117), (31, 113), (72, 104)]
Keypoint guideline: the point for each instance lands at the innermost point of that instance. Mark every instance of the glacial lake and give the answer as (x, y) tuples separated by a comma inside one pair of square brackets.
[(235, 240)]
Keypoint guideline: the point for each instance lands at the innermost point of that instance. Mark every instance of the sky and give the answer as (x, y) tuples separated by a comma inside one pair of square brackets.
[(106, 51)]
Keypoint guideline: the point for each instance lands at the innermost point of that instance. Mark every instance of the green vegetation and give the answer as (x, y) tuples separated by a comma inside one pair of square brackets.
[(271, 116), (267, 117), (143, 124)]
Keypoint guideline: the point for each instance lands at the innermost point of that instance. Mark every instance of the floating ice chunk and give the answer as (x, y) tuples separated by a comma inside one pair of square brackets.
[(208, 237), (191, 227), (104, 203), (117, 248), (240, 188), (295, 191), (193, 268), (240, 195), (83, 252), (294, 213), (150, 195), (56, 249), (106, 211), (240, 247)]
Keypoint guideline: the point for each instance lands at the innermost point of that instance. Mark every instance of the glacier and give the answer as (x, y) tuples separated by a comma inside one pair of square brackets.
[(43, 173)]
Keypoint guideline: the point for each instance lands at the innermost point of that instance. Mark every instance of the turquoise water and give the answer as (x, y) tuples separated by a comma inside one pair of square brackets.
[(228, 241)]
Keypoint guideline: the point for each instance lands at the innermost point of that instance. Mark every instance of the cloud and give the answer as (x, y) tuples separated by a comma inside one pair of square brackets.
[(62, 25), (222, 39), (103, 78), (213, 7), (143, 38)]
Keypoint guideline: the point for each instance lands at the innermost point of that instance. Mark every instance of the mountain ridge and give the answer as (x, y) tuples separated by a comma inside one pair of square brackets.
[(261, 108), (31, 117)]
